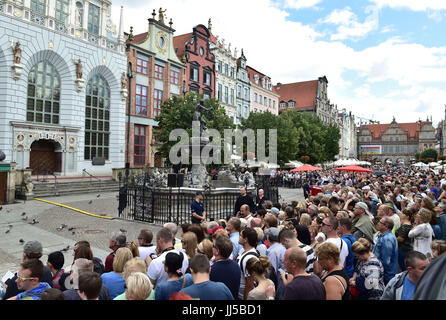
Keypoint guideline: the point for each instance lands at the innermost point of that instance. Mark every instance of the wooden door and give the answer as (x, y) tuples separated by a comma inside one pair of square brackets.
[(43, 159), (3, 186)]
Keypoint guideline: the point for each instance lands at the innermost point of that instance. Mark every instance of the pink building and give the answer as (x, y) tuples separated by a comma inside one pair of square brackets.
[(262, 96)]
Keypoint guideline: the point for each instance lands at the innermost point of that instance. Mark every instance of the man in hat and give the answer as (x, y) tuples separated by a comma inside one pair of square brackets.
[(197, 209), (31, 250), (362, 223), (276, 251)]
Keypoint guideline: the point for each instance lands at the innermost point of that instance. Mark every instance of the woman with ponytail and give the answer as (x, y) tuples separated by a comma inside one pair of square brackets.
[(176, 280), (257, 268)]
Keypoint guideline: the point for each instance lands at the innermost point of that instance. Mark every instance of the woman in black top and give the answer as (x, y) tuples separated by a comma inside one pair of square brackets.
[(334, 277)]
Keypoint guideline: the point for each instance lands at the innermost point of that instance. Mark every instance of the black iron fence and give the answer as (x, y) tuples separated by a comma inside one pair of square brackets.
[(141, 201)]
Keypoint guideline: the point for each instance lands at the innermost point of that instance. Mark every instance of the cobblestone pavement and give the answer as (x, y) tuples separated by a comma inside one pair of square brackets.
[(93, 229)]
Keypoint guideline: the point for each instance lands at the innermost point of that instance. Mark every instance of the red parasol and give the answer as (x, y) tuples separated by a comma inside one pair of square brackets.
[(306, 167), (353, 168)]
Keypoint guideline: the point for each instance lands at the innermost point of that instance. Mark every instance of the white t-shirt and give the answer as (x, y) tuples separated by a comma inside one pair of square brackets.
[(146, 251), (342, 246), (156, 272)]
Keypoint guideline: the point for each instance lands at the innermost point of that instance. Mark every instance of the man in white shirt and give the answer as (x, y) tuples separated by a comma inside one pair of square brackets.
[(246, 213), (164, 242), (248, 240), (146, 248), (329, 228)]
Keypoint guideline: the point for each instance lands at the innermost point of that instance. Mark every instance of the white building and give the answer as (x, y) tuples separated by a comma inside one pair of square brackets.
[(225, 77), (55, 117)]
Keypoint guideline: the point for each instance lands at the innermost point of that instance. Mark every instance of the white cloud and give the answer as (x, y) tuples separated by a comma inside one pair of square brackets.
[(414, 5), (349, 26), (290, 51), (301, 4)]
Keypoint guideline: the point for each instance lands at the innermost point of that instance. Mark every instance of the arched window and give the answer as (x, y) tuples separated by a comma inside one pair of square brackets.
[(97, 119), (43, 103)]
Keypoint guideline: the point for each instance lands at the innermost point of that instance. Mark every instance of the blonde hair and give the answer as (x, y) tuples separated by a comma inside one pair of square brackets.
[(190, 243), (271, 220), (121, 257), (139, 286), (207, 246), (258, 265), (328, 250), (439, 246), (325, 210), (259, 233), (305, 219), (361, 246), (133, 248), (425, 215), (302, 205), (133, 265)]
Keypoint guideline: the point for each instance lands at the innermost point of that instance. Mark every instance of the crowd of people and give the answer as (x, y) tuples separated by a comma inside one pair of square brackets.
[(364, 237)]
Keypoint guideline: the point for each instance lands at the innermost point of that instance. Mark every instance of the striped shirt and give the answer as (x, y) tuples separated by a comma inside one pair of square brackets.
[(311, 257)]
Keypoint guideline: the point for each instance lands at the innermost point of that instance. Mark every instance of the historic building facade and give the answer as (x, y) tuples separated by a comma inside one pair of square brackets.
[(243, 92), (62, 86), (394, 141), (194, 50), (308, 96), (158, 74), (347, 128), (262, 96), (225, 76)]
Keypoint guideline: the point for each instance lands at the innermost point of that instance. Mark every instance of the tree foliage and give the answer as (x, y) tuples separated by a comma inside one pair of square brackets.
[(177, 113)]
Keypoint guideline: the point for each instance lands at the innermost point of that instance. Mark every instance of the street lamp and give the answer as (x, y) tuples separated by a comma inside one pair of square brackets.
[(129, 76)]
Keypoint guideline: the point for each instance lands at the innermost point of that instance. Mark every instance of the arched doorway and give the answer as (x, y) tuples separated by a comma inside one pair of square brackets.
[(43, 157)]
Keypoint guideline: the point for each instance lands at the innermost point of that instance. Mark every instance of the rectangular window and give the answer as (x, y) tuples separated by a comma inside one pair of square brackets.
[(139, 151), (264, 101), (194, 74), (141, 65), (141, 100), (246, 93), (239, 91), (61, 10), (232, 96), (174, 77), (384, 149), (157, 99), (206, 95), (391, 149), (219, 92), (39, 6), (260, 99), (255, 97), (159, 72), (219, 66), (274, 104), (269, 103), (232, 72), (226, 94), (226, 69), (93, 18), (207, 78)]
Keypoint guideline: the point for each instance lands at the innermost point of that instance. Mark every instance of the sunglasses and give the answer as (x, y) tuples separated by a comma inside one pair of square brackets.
[(21, 279), (324, 224)]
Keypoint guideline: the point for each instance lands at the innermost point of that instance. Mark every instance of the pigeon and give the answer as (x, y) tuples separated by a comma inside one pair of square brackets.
[(123, 230), (89, 202), (73, 233), (7, 231), (23, 213), (34, 221), (10, 226), (98, 196), (22, 241), (25, 218), (65, 249), (71, 228)]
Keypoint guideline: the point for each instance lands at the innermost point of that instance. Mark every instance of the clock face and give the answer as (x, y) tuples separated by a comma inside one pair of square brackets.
[(201, 51)]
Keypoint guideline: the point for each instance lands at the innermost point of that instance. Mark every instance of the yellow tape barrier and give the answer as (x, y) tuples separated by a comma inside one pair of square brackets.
[(78, 210)]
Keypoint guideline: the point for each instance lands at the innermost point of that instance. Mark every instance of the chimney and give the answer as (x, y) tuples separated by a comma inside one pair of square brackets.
[(278, 85)]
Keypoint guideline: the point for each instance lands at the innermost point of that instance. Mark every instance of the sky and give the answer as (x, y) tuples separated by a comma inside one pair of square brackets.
[(382, 58)]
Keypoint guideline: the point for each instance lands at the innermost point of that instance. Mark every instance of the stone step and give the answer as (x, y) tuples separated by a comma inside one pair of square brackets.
[(61, 192), (43, 186)]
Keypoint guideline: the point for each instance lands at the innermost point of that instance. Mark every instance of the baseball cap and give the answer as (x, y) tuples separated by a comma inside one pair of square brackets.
[(363, 206), (32, 247), (273, 233), (275, 211)]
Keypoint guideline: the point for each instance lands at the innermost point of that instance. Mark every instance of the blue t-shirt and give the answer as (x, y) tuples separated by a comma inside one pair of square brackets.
[(33, 294), (408, 289), (114, 282), (350, 260), (227, 272), (164, 289), (198, 208), (209, 290)]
